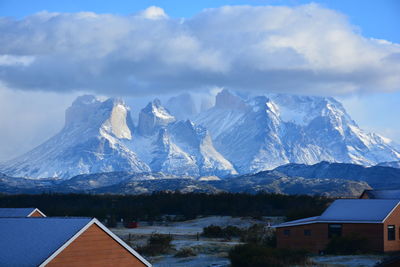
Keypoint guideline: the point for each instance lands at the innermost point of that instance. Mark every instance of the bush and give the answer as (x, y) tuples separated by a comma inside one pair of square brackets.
[(157, 244), (185, 252), (260, 256), (270, 239), (255, 234), (213, 231), (346, 245), (232, 231), (219, 232)]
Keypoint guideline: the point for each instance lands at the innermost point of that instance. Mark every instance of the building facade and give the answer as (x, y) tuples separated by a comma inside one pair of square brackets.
[(378, 221)]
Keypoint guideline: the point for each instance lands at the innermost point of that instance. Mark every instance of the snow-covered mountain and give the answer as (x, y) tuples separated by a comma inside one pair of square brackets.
[(240, 134), (91, 141), (263, 132), (178, 147), (99, 136)]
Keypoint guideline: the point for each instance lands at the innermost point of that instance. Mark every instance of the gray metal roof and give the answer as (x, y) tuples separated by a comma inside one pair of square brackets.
[(30, 241), (359, 210), (351, 211), (383, 194), (15, 212)]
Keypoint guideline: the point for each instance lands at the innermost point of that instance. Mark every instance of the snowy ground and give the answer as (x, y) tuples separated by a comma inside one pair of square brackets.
[(213, 252), (210, 251), (192, 227), (347, 261)]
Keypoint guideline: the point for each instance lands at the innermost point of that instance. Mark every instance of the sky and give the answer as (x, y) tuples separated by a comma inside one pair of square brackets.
[(53, 51)]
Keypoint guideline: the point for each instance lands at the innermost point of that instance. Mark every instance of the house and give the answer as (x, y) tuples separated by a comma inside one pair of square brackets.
[(63, 242), (20, 212), (381, 194), (377, 220)]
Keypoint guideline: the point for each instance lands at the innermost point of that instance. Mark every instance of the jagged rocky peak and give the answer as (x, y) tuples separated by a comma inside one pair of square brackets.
[(111, 115), (120, 121), (182, 106), (152, 117), (228, 100), (187, 132)]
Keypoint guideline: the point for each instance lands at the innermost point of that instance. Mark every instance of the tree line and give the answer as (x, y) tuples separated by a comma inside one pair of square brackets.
[(153, 206)]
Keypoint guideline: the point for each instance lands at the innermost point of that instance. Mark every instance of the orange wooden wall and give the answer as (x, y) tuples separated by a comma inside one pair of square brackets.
[(94, 247), (36, 214)]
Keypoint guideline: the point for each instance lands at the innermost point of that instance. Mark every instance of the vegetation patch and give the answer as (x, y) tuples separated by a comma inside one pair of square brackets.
[(156, 245)]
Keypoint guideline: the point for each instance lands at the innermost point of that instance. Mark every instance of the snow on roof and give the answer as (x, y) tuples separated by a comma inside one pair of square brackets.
[(30, 241), (15, 212), (359, 210), (351, 211), (383, 194)]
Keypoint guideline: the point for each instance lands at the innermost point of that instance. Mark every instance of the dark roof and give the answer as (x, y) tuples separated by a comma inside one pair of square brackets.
[(15, 212), (30, 241), (351, 211), (383, 194)]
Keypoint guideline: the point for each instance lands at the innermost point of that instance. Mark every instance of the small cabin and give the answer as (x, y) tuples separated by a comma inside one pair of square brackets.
[(20, 213), (63, 242), (377, 220)]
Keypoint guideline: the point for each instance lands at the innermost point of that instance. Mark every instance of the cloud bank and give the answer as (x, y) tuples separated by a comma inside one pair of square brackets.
[(306, 49)]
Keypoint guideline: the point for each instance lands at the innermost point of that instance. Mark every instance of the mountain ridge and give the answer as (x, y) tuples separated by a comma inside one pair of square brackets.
[(240, 134)]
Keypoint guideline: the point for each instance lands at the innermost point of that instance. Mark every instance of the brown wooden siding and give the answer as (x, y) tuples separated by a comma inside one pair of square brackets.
[(36, 214), (94, 247), (318, 239), (297, 240), (393, 219)]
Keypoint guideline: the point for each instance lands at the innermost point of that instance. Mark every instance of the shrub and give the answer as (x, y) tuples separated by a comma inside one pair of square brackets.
[(213, 231), (232, 231), (270, 239), (346, 245), (219, 232), (255, 234), (260, 256), (157, 244), (185, 252)]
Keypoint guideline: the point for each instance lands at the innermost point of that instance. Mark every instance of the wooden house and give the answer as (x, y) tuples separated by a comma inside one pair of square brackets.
[(63, 242), (20, 213), (376, 220)]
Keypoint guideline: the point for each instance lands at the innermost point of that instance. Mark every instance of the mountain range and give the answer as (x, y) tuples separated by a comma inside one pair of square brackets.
[(240, 134)]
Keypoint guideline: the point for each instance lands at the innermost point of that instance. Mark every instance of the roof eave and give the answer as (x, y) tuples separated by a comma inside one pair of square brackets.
[(105, 229), (325, 221), (36, 209), (387, 216)]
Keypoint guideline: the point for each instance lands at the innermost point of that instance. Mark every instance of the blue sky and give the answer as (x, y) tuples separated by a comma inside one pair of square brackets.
[(46, 60)]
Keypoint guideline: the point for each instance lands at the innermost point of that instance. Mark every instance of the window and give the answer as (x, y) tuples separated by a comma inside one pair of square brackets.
[(286, 232), (307, 232), (391, 232), (334, 230)]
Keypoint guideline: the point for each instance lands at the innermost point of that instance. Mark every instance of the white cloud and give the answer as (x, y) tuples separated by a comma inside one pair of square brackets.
[(154, 12), (11, 60), (306, 49)]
